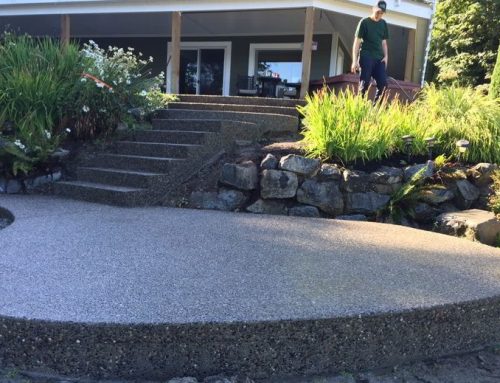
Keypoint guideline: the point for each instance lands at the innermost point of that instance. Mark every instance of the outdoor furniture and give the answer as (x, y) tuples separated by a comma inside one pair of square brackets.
[(247, 86), (269, 85)]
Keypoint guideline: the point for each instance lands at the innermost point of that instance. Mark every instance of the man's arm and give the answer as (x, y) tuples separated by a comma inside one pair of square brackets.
[(355, 55), (386, 52)]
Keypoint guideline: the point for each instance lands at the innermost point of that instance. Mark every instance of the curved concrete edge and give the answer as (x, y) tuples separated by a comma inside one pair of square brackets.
[(259, 349), (4, 213)]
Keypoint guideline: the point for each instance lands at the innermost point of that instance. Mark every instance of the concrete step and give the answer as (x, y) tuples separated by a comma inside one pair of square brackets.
[(172, 136), (267, 122), (154, 149), (102, 193), (288, 111), (188, 125), (117, 177), (134, 163), (241, 100)]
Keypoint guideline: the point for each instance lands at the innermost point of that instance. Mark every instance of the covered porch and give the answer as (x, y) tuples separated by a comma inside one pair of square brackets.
[(207, 49)]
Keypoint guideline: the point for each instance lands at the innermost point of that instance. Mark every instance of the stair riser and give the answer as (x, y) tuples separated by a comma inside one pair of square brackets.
[(189, 125), (241, 100), (197, 138), (137, 149), (138, 164), (126, 199), (117, 179), (234, 108)]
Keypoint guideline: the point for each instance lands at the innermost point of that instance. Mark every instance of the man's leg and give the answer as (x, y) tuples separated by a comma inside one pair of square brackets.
[(380, 75), (366, 64)]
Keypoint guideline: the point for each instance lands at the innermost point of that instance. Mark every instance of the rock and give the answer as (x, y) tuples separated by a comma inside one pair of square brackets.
[(231, 199), (242, 176), (60, 154), (365, 203), (183, 380), (476, 225), (352, 217), (226, 200), (218, 379), (329, 172), (301, 165), (436, 196), (42, 180), (481, 174), (268, 207), (325, 195), (467, 194), (386, 188), (12, 186), (424, 213), (269, 162), (410, 171), (355, 181), (387, 176), (304, 211), (278, 184)]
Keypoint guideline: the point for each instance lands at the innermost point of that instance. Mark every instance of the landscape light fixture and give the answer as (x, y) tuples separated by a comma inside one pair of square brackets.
[(408, 140), (431, 142), (462, 146)]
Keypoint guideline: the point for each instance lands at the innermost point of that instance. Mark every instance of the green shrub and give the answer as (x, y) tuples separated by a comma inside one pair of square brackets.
[(495, 198), (37, 81), (495, 78), (349, 128)]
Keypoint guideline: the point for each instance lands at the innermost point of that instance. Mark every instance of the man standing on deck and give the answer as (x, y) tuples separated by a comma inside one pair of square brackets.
[(371, 35)]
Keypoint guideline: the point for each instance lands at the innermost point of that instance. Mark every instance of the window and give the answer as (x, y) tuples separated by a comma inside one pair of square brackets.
[(285, 64)]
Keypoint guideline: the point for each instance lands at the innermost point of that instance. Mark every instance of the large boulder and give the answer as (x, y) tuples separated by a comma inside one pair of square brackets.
[(410, 171), (481, 174), (387, 176), (242, 176), (467, 193), (365, 203), (436, 196), (268, 207), (476, 225), (325, 195), (352, 217), (329, 172), (278, 184), (424, 213), (304, 211), (301, 165), (386, 188), (225, 199), (269, 162), (355, 181)]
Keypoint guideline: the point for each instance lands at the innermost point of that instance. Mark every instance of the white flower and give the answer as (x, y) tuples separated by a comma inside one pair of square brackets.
[(86, 109), (151, 59), (143, 93), (68, 130), (102, 110), (128, 82), (19, 144), (99, 84), (140, 54), (83, 79), (47, 134), (130, 49)]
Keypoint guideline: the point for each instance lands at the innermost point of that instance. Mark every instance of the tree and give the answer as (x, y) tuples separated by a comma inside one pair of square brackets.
[(465, 40), (495, 78)]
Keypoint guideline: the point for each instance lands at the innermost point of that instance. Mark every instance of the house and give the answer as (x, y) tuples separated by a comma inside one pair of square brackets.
[(205, 45)]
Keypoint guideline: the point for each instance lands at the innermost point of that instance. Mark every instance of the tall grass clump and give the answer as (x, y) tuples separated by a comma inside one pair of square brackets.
[(37, 81), (452, 113), (349, 128)]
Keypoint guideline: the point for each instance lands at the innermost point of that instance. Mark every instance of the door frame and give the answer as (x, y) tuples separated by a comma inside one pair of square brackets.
[(196, 45)]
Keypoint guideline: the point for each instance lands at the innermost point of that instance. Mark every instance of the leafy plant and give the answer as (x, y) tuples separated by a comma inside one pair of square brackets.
[(495, 198), (495, 78)]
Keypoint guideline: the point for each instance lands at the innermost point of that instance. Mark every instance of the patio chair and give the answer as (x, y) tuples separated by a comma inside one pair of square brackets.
[(247, 86)]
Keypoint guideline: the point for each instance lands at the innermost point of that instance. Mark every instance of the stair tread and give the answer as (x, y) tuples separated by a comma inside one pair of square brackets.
[(232, 105), (177, 131), (205, 111), (159, 143), (121, 171), (93, 185), (143, 157)]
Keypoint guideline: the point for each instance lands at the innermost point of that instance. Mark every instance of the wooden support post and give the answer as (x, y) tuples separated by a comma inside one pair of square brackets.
[(410, 55), (307, 52), (175, 61), (65, 30)]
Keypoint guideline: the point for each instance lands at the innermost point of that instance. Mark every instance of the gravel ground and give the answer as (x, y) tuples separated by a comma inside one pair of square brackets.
[(478, 367)]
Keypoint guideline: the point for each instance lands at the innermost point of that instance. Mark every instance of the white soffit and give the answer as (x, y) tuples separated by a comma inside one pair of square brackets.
[(404, 15)]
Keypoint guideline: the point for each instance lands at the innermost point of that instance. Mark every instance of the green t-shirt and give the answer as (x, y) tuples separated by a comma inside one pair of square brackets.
[(372, 33)]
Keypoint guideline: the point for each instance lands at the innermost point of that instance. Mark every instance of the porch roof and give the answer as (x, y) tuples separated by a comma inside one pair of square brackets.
[(402, 13)]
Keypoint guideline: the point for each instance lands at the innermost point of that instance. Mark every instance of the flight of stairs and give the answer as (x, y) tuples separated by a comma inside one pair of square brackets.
[(140, 169)]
